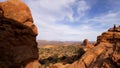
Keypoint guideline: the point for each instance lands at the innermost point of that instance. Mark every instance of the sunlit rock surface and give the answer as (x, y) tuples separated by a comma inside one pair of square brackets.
[(106, 53)]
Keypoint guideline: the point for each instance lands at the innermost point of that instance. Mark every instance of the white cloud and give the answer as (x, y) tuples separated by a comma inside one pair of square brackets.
[(82, 8), (52, 10), (106, 19), (57, 10), (64, 32), (48, 13)]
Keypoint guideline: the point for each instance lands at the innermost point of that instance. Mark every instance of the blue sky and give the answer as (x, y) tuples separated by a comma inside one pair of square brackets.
[(73, 20)]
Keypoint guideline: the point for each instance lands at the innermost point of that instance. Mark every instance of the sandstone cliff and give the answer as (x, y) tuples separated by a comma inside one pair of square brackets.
[(106, 53), (18, 47)]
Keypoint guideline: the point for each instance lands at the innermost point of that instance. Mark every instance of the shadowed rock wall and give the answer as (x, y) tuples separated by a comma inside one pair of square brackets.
[(18, 45)]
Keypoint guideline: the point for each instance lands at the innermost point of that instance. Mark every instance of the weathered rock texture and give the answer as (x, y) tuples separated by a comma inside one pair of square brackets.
[(106, 53), (18, 45)]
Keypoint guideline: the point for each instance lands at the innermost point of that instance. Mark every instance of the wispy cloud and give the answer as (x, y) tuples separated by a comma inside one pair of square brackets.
[(82, 9), (51, 16), (106, 19), (52, 10)]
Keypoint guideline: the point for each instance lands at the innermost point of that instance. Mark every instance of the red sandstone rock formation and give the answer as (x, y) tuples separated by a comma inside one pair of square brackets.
[(18, 47), (87, 44), (106, 53)]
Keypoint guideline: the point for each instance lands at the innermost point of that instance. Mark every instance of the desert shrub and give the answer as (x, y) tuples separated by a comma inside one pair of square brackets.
[(46, 64), (64, 54), (80, 52), (63, 57)]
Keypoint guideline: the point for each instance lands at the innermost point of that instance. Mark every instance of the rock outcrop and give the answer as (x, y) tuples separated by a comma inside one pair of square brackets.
[(106, 53), (18, 47), (87, 44)]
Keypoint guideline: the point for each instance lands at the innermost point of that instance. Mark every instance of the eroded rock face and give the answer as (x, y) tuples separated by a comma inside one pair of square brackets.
[(18, 45), (110, 58), (106, 53), (18, 11), (112, 36)]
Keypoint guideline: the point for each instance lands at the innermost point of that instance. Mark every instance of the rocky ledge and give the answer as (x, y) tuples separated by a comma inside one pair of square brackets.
[(105, 54)]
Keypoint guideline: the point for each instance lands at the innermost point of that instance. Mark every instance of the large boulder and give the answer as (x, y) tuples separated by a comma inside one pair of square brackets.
[(18, 11), (87, 44), (18, 45)]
